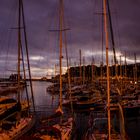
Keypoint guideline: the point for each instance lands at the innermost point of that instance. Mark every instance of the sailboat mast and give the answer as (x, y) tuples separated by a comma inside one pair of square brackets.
[(19, 47), (24, 75), (135, 70), (68, 69), (27, 53), (121, 74), (112, 39), (67, 59), (125, 66), (80, 67), (121, 66), (84, 70), (102, 35), (92, 69), (107, 68), (60, 48)]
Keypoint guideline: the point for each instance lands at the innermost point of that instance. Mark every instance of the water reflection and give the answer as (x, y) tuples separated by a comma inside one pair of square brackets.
[(46, 104)]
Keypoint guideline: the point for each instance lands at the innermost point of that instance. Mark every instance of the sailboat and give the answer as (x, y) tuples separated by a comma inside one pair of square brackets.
[(18, 119), (101, 127), (63, 128)]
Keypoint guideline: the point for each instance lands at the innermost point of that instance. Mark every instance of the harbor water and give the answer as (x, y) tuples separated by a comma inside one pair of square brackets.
[(47, 103)]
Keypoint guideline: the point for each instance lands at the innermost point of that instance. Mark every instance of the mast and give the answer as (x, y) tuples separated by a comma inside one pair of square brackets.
[(54, 71), (102, 24), (74, 73), (107, 68), (67, 59), (60, 30), (135, 70), (60, 49), (121, 75), (120, 66), (92, 69), (84, 70), (112, 39), (25, 76), (27, 53), (80, 67), (68, 69), (125, 66), (122, 123), (19, 47)]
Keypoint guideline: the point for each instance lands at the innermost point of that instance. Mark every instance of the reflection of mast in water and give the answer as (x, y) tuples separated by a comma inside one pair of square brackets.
[(122, 125)]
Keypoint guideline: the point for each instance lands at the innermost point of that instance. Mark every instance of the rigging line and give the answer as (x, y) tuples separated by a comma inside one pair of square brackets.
[(94, 7), (102, 43), (4, 42), (56, 37), (54, 24), (115, 7), (23, 64), (68, 68), (8, 49), (49, 22), (19, 48), (117, 23), (54, 44), (100, 13), (111, 31), (10, 36), (6, 62), (27, 54), (60, 49), (4, 27), (102, 34)]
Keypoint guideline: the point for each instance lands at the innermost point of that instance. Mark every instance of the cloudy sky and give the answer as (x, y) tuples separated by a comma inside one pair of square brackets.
[(82, 17)]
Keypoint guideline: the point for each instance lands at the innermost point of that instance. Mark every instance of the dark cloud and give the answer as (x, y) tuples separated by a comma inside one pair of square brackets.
[(84, 19)]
